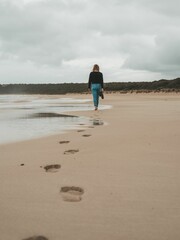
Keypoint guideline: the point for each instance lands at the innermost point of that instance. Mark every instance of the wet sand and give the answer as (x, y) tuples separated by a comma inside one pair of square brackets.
[(116, 179)]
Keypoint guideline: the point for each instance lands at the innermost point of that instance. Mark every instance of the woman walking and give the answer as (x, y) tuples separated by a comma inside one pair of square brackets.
[(96, 84)]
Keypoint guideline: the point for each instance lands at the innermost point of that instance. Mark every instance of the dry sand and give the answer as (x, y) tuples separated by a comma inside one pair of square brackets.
[(121, 181)]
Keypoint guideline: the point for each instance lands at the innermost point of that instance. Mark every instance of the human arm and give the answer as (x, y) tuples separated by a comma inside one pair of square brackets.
[(102, 82), (89, 82)]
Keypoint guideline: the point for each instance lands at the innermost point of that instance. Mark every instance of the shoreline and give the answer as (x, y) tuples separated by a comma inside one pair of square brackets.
[(30, 117), (123, 176), (52, 117)]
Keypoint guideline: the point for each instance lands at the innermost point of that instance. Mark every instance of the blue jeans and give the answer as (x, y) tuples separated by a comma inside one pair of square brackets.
[(95, 88)]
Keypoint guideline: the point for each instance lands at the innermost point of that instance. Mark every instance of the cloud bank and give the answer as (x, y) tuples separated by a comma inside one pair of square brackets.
[(59, 40)]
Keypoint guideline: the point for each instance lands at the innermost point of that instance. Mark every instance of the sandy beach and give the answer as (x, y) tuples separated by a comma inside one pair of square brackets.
[(118, 179)]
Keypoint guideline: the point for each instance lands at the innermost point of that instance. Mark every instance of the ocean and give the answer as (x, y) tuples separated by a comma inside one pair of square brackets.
[(24, 117)]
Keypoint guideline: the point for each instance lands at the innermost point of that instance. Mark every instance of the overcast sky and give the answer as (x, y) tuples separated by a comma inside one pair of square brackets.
[(56, 41)]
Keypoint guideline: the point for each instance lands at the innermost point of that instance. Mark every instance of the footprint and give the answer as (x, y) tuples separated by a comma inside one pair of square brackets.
[(86, 135), (52, 168), (97, 122), (80, 130), (36, 238), (62, 142), (72, 194), (71, 151)]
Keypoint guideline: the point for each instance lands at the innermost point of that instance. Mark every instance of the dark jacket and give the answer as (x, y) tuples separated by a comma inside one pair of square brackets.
[(95, 77)]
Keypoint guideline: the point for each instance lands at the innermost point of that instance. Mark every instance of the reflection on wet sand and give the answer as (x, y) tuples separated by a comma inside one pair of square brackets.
[(48, 115)]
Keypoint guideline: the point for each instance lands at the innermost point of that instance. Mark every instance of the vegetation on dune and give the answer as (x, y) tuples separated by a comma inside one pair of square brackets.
[(63, 88)]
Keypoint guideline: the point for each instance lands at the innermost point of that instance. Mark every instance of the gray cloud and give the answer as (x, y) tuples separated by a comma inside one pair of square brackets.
[(60, 40)]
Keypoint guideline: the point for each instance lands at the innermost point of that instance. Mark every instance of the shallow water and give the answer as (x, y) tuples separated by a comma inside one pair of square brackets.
[(24, 117)]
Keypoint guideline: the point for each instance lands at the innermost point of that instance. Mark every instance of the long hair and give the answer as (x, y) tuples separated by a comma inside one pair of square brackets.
[(95, 68)]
